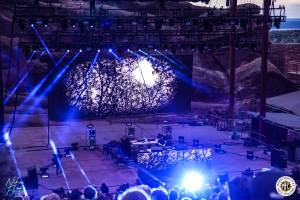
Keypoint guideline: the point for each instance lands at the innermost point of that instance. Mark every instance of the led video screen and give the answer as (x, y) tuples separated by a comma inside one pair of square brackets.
[(118, 87)]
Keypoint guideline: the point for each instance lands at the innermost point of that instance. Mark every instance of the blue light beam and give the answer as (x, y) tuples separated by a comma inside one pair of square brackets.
[(16, 87), (54, 81), (40, 84), (43, 43), (86, 74), (8, 144), (115, 55), (132, 52), (46, 91), (183, 76), (31, 56), (80, 168), (168, 58)]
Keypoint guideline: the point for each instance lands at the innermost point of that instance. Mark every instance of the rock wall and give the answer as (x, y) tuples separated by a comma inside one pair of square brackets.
[(212, 72)]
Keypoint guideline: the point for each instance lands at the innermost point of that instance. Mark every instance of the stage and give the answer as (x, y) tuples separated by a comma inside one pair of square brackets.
[(99, 167)]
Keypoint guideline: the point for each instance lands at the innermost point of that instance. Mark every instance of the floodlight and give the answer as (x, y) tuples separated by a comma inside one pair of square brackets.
[(44, 173), (192, 181)]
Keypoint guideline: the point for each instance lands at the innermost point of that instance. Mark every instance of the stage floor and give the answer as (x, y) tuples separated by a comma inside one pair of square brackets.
[(99, 168)]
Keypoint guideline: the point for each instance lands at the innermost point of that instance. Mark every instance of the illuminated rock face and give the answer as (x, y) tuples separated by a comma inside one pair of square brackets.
[(130, 86)]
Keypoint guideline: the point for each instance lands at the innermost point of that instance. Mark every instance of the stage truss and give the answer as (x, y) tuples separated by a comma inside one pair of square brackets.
[(164, 28)]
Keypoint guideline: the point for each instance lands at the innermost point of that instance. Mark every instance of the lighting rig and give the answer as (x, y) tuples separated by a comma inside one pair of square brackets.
[(149, 28)]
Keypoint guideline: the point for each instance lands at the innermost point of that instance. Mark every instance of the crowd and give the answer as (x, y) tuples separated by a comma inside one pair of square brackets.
[(262, 186)]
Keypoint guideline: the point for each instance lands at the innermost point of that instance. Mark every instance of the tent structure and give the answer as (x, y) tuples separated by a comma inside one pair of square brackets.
[(289, 102), (285, 119)]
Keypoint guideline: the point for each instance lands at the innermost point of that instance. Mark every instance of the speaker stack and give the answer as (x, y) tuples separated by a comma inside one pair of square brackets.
[(279, 158), (91, 136), (31, 181)]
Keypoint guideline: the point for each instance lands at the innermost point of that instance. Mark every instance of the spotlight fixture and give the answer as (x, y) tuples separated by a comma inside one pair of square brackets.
[(80, 50), (192, 181), (145, 23), (32, 25), (68, 51), (91, 23), (98, 50), (119, 24), (109, 50), (73, 23), (45, 22), (43, 171), (128, 50)]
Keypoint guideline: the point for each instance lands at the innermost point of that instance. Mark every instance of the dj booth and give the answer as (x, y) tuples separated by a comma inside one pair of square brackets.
[(151, 154)]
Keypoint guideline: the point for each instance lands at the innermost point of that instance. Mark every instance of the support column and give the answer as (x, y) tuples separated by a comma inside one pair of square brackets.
[(264, 65), (232, 60), (264, 59), (1, 99), (92, 7)]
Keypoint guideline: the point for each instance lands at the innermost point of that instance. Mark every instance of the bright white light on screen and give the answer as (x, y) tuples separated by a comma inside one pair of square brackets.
[(145, 73)]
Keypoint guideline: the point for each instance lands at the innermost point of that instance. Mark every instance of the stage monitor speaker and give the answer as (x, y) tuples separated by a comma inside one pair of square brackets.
[(32, 171), (181, 139), (31, 181), (278, 158)]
